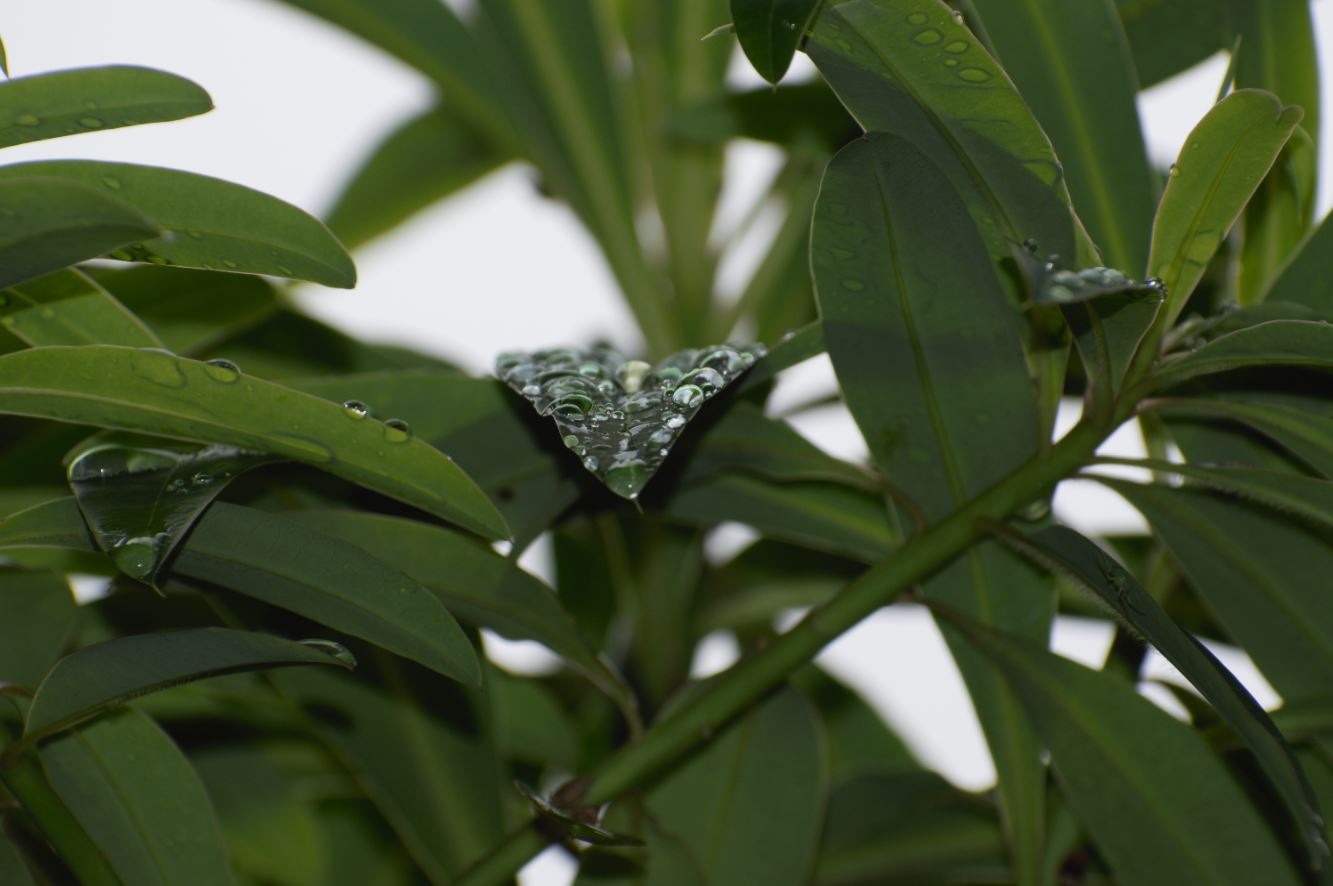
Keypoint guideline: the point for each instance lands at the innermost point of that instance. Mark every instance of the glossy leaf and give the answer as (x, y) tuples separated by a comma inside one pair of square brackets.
[(91, 99), (50, 223), (1159, 805), (99, 677), (1169, 36), (1070, 553), (1225, 158), (208, 223), (140, 496), (428, 158), (1309, 436), (621, 417), (157, 393), (37, 619), (69, 308), (1275, 343), (768, 831), (140, 801), (1305, 280), (770, 30)]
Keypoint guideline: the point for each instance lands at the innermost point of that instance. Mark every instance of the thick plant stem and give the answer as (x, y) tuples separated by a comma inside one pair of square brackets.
[(23, 777), (747, 682)]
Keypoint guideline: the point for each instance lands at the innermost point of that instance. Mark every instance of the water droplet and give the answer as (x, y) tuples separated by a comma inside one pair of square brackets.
[(571, 441), (687, 396), (137, 556), (853, 285), (202, 478), (159, 367), (628, 477), (229, 263), (1036, 511), (1030, 245), (708, 380), (532, 391), (337, 651), (631, 374), (222, 370), (91, 122), (1060, 293), (956, 46), (356, 410), (29, 120), (573, 406), (973, 75), (157, 260), (928, 37), (958, 16), (951, 62), (1175, 170), (590, 369), (590, 463), (397, 431), (916, 18), (789, 25), (111, 182), (675, 421), (724, 359)]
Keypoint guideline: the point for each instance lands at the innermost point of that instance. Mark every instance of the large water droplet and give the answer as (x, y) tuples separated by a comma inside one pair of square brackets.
[(222, 370), (355, 410), (572, 406), (627, 479), (708, 380), (28, 120), (973, 75), (1175, 170), (928, 37), (675, 422), (397, 431), (337, 651), (159, 367), (136, 557), (687, 396)]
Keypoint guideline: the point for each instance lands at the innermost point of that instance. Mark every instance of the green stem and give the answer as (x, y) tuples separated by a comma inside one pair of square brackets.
[(749, 680), (23, 777)]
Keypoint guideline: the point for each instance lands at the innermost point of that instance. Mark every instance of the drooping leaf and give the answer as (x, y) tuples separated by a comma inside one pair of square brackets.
[(1275, 343), (1307, 435), (1168, 36), (140, 801), (99, 677), (37, 618), (69, 308), (50, 223), (770, 30), (1072, 554), (1223, 161), (621, 417), (207, 223), (91, 99), (1305, 280), (430, 157), (768, 830), (157, 393), (141, 495), (1158, 804)]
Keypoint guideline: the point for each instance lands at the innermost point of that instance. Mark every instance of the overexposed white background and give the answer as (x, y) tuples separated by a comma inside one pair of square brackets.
[(299, 104)]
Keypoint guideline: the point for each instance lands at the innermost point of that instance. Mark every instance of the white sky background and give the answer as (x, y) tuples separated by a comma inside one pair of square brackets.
[(299, 104)]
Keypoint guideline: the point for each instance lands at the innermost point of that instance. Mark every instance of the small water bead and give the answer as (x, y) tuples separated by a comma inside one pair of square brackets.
[(706, 379), (643, 401), (111, 182), (222, 370), (675, 422), (571, 441), (957, 16), (397, 431), (973, 75), (531, 391), (724, 359), (91, 122), (136, 557), (355, 410), (928, 37), (202, 478), (508, 361), (956, 46), (951, 62), (574, 406), (687, 396), (594, 370), (632, 373), (28, 120), (590, 463), (668, 376), (916, 18), (1175, 170)]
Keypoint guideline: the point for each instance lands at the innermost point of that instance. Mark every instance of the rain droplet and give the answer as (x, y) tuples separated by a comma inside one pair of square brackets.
[(687, 396), (852, 284), (222, 370), (111, 182), (958, 16), (91, 122), (973, 75), (136, 557), (571, 440), (336, 651), (590, 463), (627, 478), (355, 410), (1175, 170), (572, 406), (956, 46), (675, 421), (708, 380), (202, 478), (951, 62), (928, 37), (916, 18), (397, 431), (532, 390), (631, 375), (28, 120)]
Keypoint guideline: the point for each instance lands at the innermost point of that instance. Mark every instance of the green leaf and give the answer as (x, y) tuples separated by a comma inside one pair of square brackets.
[(770, 30), (141, 495), (909, 827), (428, 158), (1305, 280), (140, 800), (1159, 805), (157, 393), (4, 59), (1070, 553), (769, 768), (1278, 216), (97, 678), (69, 308), (664, 861), (792, 349), (1224, 159), (799, 114), (13, 869), (530, 725), (37, 618), (1084, 100), (90, 99), (1307, 435), (191, 311), (766, 579), (622, 416), (1169, 36), (859, 741), (208, 223), (1275, 343), (49, 223)]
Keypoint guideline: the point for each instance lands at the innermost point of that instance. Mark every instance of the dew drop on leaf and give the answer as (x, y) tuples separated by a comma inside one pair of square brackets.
[(355, 410)]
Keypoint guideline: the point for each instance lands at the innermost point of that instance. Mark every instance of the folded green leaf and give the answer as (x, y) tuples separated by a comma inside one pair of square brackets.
[(1157, 802), (141, 495), (770, 30), (157, 393), (37, 618), (48, 223), (62, 103), (1070, 553), (1225, 158), (140, 801), (69, 308), (100, 677), (1275, 343), (207, 223), (622, 416)]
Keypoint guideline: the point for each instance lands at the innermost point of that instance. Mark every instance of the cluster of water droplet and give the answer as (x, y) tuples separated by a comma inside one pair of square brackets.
[(1059, 285), (622, 416)]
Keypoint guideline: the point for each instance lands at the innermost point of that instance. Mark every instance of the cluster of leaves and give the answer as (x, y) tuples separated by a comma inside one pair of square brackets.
[(222, 469)]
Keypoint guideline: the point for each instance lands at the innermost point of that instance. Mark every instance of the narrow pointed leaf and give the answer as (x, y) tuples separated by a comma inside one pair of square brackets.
[(792, 349), (428, 158), (13, 869), (1156, 801), (621, 417), (1275, 343), (1225, 158), (50, 223), (92, 99), (157, 393), (99, 677), (1169, 36), (1305, 280), (140, 801), (141, 496), (208, 223), (770, 30), (1075, 555), (69, 308), (4, 59), (1308, 436), (37, 619)]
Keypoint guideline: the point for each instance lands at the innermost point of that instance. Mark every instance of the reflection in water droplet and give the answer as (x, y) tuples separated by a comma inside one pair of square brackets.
[(355, 410), (111, 182), (956, 46), (708, 380), (136, 557), (28, 120), (1175, 170), (571, 441), (590, 463), (973, 75), (202, 478), (573, 406), (397, 431), (91, 122), (916, 18), (337, 651), (928, 37), (628, 478), (687, 396), (222, 370)]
